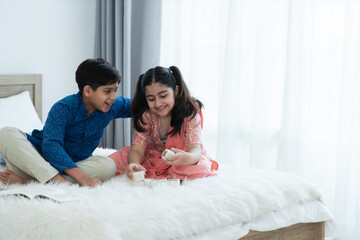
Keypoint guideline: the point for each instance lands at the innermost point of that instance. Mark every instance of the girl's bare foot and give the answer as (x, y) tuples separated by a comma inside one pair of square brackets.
[(9, 177)]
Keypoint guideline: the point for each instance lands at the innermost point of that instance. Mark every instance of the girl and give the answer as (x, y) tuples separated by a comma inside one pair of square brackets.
[(165, 116)]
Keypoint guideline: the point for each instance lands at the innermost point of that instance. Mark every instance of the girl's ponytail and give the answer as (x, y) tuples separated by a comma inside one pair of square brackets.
[(185, 104), (177, 75)]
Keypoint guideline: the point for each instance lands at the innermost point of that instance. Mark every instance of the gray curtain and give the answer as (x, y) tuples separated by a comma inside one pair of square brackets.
[(128, 36)]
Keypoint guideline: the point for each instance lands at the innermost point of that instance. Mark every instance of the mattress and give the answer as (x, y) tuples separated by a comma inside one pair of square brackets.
[(222, 207)]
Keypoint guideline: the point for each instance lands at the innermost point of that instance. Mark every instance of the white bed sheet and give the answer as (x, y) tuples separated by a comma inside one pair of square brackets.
[(223, 207), (312, 211)]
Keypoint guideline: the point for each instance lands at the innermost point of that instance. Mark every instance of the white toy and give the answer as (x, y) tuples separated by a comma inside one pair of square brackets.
[(167, 153), (138, 176)]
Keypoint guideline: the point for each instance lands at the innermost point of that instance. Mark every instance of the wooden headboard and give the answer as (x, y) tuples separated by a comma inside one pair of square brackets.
[(14, 84)]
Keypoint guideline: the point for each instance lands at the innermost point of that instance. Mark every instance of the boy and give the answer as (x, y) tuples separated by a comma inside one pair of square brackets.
[(62, 151)]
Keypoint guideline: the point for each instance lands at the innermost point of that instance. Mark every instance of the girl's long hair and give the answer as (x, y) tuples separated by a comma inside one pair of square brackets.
[(185, 105)]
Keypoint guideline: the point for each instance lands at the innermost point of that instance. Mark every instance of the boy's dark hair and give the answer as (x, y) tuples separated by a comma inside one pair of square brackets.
[(185, 105), (96, 73)]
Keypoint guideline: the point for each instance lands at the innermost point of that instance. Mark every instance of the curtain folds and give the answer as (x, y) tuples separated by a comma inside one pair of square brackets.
[(128, 36), (113, 46), (280, 84)]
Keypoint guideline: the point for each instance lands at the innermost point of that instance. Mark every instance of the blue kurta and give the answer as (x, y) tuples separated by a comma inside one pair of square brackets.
[(69, 135)]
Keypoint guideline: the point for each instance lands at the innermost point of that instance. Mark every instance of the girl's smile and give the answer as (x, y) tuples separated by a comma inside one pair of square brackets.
[(160, 99), (161, 108)]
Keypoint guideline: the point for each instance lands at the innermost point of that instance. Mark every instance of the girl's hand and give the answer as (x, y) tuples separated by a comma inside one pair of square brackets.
[(191, 156), (133, 167), (180, 158)]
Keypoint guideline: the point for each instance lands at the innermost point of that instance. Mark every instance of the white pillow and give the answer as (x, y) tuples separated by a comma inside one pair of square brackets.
[(18, 111)]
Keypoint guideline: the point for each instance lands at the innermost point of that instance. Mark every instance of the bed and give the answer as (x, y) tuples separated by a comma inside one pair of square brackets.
[(14, 84), (240, 203)]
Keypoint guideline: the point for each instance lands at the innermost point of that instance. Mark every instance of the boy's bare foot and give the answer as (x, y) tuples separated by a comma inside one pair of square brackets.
[(9, 177)]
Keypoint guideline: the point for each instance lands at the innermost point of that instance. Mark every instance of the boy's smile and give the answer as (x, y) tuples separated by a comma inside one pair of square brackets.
[(101, 99)]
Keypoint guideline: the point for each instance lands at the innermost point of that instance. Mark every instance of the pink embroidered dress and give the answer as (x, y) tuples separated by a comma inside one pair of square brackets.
[(150, 140)]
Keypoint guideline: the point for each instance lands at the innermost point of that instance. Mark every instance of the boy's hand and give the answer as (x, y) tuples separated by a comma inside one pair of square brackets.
[(90, 181), (133, 167), (82, 178)]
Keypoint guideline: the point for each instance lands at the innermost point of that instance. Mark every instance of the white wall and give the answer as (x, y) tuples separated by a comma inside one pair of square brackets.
[(50, 37)]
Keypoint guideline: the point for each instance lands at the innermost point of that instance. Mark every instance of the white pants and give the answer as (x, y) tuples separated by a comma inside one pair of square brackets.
[(24, 159)]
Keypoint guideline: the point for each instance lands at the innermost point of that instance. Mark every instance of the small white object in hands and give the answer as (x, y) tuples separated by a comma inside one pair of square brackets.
[(167, 153), (139, 176)]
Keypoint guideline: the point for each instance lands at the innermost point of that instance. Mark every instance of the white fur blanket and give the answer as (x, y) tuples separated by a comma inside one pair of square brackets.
[(117, 210)]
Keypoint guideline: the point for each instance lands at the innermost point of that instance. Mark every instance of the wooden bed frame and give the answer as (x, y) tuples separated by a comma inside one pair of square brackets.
[(13, 84), (300, 231)]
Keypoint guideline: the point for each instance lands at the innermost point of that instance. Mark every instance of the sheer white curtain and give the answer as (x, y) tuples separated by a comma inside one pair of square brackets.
[(281, 86)]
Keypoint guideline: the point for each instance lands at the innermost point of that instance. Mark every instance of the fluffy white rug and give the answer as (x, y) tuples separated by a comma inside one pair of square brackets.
[(117, 210)]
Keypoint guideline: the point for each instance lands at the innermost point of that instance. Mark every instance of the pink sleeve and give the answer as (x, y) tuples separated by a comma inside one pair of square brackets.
[(193, 131), (142, 138)]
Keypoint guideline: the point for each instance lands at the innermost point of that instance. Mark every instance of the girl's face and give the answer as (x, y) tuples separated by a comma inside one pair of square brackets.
[(160, 98)]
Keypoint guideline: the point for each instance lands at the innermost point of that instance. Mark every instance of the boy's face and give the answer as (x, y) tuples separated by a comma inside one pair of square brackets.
[(101, 99)]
